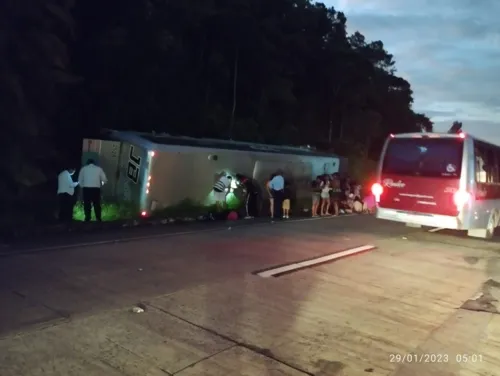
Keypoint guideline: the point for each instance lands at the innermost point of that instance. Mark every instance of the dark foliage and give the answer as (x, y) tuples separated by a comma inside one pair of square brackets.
[(281, 71)]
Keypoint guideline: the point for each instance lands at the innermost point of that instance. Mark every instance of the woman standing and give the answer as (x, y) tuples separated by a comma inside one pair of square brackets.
[(316, 186), (287, 198), (271, 198), (325, 198), (336, 195)]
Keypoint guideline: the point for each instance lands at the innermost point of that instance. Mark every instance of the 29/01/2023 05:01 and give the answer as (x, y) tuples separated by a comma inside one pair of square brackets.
[(435, 358)]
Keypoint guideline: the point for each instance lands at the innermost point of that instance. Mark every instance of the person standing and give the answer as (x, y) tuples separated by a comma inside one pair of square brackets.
[(336, 196), (316, 186), (66, 194), (287, 198), (325, 198), (91, 179), (271, 198), (251, 195), (221, 188), (276, 187)]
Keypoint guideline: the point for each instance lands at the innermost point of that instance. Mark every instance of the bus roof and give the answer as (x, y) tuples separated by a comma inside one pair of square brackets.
[(429, 135), (441, 135)]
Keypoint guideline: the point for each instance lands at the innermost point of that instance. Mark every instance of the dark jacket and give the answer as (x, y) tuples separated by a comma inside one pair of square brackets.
[(287, 192), (248, 184)]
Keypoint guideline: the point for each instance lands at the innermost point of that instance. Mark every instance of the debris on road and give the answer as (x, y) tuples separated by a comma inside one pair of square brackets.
[(487, 300), (139, 308)]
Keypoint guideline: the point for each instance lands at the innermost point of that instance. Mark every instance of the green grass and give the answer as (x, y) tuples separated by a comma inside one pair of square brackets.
[(185, 209), (110, 211)]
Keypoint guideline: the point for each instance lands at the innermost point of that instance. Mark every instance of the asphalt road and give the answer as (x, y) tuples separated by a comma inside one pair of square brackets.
[(395, 309)]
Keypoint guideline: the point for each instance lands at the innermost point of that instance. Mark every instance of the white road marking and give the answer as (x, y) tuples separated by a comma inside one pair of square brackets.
[(144, 237), (319, 260), (436, 229)]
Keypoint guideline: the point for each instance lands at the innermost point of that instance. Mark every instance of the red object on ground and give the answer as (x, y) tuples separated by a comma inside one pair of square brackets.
[(232, 216)]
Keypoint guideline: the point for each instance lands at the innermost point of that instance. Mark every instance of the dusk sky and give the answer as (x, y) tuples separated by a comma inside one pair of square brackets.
[(449, 51)]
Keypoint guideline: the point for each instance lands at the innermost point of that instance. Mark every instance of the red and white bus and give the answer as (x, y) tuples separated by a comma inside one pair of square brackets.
[(446, 181)]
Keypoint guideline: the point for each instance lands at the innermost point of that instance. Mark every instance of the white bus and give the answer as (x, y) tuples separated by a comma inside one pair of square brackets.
[(447, 181)]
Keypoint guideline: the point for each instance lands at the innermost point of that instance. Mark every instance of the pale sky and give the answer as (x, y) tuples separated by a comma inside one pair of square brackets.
[(449, 51)]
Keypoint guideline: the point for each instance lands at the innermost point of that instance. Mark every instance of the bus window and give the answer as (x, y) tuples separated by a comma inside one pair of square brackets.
[(426, 157), (486, 166)]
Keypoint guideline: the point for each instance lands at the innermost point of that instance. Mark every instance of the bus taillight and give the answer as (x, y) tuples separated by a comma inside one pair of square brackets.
[(461, 198), (377, 191)]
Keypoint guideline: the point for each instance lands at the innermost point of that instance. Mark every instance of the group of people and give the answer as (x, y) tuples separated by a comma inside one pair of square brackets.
[(90, 179), (280, 196), (330, 194), (333, 196), (278, 189)]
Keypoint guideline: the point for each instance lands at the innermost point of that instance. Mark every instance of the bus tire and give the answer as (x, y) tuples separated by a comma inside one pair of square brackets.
[(489, 231), (492, 224)]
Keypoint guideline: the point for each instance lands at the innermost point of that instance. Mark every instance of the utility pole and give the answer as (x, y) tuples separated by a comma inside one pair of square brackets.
[(235, 86)]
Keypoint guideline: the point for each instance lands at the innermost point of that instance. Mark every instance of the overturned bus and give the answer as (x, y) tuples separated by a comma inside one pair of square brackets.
[(155, 171)]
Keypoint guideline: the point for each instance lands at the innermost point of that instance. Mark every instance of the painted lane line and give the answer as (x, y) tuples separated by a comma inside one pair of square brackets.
[(318, 260), (437, 229)]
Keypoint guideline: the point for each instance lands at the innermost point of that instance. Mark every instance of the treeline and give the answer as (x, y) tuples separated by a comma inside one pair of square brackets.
[(281, 71)]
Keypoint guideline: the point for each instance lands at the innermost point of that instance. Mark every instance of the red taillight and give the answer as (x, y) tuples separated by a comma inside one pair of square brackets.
[(144, 214), (377, 189), (391, 135), (461, 135), (461, 198)]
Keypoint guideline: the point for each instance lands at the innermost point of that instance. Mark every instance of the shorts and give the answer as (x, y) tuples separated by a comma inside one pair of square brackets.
[(286, 204), (316, 198), (220, 196), (325, 196)]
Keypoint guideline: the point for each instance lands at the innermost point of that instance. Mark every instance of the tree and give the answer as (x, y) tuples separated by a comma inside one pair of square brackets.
[(284, 71), (424, 123), (33, 70)]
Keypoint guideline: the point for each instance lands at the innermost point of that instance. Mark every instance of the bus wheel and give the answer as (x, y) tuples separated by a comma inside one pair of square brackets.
[(489, 231), (492, 225)]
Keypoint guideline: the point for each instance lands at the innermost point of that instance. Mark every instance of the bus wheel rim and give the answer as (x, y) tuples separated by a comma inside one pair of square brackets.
[(492, 223)]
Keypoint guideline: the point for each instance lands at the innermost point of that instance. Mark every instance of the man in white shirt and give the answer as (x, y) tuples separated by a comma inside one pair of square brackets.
[(277, 187), (91, 179), (221, 188), (65, 194)]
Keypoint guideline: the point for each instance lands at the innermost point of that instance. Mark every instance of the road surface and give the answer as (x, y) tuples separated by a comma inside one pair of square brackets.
[(247, 301)]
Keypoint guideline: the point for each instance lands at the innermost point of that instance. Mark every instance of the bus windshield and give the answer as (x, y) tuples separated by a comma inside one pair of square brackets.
[(426, 157)]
